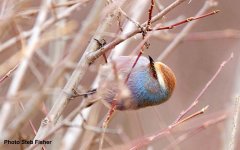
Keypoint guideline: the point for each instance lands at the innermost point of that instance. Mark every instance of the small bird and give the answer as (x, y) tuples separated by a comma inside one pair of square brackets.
[(149, 83)]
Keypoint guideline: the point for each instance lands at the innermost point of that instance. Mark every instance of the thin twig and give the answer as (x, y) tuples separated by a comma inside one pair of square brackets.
[(186, 21), (233, 141)]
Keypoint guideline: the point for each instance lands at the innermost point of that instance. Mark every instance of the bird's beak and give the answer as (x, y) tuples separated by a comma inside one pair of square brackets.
[(150, 59), (152, 67)]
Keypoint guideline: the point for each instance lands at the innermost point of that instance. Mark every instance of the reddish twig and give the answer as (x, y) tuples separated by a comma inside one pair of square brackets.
[(109, 116), (150, 14), (134, 64), (186, 21)]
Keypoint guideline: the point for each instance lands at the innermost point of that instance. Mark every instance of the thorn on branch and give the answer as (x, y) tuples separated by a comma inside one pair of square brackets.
[(147, 45), (101, 43), (45, 122), (119, 21), (190, 19), (85, 95), (143, 31)]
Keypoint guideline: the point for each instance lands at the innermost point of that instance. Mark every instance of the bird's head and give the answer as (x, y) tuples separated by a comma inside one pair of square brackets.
[(163, 74)]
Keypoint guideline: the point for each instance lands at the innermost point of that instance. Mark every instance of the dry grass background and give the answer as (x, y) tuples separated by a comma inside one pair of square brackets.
[(45, 45)]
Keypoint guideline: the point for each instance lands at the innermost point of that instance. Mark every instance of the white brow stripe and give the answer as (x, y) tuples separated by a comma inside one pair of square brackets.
[(160, 77), (161, 80)]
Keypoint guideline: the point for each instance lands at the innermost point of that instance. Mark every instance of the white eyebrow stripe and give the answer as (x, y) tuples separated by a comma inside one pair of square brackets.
[(160, 77), (161, 80)]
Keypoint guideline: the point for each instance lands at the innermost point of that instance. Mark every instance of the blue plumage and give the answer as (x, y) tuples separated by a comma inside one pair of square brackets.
[(146, 90)]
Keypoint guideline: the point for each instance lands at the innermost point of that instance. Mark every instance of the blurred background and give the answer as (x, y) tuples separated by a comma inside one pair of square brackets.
[(52, 36)]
